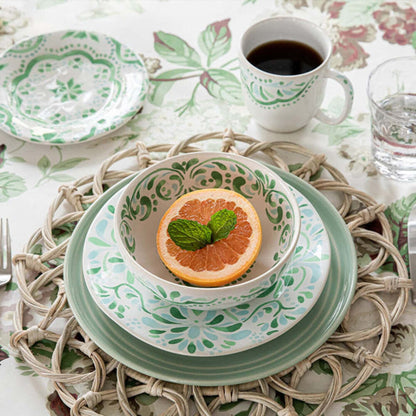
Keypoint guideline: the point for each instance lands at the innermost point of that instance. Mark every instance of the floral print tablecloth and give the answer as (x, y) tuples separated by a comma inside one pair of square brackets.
[(189, 48)]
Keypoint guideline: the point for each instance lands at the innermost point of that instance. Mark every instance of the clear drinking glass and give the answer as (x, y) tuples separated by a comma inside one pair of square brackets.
[(392, 100)]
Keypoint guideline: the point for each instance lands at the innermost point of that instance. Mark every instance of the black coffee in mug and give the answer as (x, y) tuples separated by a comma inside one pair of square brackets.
[(284, 57)]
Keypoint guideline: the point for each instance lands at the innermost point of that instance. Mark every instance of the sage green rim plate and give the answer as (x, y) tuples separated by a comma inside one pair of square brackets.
[(69, 87), (261, 361)]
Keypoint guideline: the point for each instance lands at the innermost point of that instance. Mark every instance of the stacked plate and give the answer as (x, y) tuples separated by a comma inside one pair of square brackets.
[(229, 344)]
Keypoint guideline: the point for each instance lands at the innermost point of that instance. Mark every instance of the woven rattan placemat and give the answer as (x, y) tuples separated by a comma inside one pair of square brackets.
[(363, 348)]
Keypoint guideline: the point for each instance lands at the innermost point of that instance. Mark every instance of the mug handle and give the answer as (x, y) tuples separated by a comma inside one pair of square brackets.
[(348, 94)]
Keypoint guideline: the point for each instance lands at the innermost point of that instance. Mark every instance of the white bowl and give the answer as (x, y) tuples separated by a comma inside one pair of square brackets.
[(148, 196)]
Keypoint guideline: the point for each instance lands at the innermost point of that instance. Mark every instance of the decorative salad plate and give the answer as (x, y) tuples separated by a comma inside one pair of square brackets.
[(258, 362), (183, 330), (69, 87)]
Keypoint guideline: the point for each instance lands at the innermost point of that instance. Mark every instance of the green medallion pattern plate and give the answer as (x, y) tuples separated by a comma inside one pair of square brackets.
[(69, 87), (266, 359), (184, 330)]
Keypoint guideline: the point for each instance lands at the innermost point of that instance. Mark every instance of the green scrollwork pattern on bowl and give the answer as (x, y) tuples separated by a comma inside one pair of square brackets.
[(169, 183)]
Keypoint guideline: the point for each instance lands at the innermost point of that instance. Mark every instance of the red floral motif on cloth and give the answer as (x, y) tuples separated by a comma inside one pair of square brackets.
[(397, 24), (57, 406), (347, 51), (3, 355)]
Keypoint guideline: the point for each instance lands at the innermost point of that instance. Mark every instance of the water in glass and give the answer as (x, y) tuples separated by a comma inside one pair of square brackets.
[(394, 136)]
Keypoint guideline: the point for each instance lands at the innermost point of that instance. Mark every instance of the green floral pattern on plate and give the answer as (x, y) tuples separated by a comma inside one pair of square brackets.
[(69, 87), (66, 91), (185, 330)]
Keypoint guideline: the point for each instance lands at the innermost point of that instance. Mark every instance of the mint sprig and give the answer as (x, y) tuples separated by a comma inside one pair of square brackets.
[(192, 235)]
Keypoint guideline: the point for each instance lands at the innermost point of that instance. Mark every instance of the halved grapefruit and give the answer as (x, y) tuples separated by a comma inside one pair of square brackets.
[(220, 262)]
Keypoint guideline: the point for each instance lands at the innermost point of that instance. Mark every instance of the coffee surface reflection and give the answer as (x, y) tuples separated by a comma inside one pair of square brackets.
[(284, 57)]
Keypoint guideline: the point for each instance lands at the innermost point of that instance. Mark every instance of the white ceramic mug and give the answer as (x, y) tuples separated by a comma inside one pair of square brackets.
[(285, 103)]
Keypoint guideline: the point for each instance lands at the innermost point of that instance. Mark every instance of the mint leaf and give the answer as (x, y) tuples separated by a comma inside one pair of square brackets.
[(189, 235), (222, 223)]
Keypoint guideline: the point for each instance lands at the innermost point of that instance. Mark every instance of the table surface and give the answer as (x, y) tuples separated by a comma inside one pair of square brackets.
[(364, 33)]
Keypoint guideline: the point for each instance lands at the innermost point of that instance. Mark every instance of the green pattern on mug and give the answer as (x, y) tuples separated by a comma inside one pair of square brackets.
[(269, 93)]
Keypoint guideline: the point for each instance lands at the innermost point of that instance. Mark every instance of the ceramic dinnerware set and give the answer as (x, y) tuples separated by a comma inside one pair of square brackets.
[(205, 321), (73, 86), (303, 270)]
